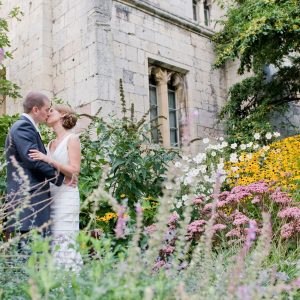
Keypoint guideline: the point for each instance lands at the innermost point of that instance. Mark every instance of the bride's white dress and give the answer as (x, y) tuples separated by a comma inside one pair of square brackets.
[(65, 210)]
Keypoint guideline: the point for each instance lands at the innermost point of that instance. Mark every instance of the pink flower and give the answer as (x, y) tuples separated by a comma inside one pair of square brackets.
[(256, 199), (168, 249), (280, 197), (290, 212), (159, 264), (207, 208), (289, 229), (195, 228), (221, 203), (240, 219), (258, 187), (234, 232), (173, 218), (198, 200), (217, 227), (150, 229)]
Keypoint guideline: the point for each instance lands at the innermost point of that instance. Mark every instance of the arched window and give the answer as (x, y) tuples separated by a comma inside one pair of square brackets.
[(166, 100)]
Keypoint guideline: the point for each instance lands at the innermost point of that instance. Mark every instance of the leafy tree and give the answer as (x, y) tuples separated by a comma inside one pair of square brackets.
[(260, 33), (7, 88)]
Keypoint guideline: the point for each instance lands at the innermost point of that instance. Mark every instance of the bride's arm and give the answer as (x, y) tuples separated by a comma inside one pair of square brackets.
[(69, 170)]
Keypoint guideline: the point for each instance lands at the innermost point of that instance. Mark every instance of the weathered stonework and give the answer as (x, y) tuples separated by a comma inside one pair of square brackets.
[(78, 51)]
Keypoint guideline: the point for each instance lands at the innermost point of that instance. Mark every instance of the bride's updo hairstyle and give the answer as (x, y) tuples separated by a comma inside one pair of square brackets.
[(69, 118)]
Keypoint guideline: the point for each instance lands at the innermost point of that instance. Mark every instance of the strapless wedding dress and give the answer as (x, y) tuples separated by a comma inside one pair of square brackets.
[(65, 210)]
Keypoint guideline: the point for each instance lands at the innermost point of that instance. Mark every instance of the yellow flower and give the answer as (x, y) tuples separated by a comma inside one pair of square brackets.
[(107, 217), (123, 196), (279, 165)]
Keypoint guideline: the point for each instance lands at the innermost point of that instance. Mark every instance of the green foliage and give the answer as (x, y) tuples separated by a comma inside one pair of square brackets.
[(7, 88), (5, 123), (259, 33), (137, 167)]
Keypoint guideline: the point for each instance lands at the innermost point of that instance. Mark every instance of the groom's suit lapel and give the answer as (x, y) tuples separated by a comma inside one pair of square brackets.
[(41, 144)]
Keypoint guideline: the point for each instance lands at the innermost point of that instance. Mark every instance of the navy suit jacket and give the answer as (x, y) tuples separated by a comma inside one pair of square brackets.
[(22, 137)]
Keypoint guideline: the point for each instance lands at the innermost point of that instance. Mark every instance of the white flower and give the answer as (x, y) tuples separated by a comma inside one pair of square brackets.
[(257, 136), (233, 158), (256, 146), (249, 145), (188, 180), (185, 169), (213, 153), (169, 186), (243, 147), (241, 158), (233, 146), (202, 169), (178, 204), (206, 178), (268, 135), (205, 140), (193, 173), (178, 164), (185, 198), (220, 167), (234, 169), (221, 138), (266, 148), (249, 156), (199, 158), (224, 144), (276, 134)]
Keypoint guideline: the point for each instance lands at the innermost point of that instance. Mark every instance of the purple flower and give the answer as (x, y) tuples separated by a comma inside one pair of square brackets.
[(121, 222)]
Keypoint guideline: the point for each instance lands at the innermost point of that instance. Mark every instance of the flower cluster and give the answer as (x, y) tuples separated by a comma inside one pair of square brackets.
[(235, 209), (276, 164), (107, 217)]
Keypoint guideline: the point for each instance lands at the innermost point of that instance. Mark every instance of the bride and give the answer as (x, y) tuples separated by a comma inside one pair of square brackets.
[(63, 153)]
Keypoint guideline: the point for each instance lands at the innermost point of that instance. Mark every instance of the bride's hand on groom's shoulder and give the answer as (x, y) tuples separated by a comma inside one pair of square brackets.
[(37, 155)]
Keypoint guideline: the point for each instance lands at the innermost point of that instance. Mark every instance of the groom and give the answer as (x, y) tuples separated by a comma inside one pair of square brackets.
[(32, 209)]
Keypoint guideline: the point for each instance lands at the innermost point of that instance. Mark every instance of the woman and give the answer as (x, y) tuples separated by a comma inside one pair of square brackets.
[(64, 154)]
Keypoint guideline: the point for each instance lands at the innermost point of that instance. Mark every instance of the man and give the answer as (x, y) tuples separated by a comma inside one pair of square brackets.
[(28, 197)]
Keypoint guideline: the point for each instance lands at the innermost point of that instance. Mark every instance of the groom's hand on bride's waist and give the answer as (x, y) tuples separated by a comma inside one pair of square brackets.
[(71, 181)]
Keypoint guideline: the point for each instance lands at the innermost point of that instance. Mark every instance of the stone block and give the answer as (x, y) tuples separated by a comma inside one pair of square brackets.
[(131, 53), (128, 76), (145, 33), (119, 50), (127, 27), (59, 83), (139, 80)]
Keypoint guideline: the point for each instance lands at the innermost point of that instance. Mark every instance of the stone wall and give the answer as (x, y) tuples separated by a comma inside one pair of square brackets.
[(140, 38), (31, 45), (78, 50)]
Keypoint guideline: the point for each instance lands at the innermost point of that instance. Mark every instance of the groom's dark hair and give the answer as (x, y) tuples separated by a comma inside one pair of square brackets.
[(34, 99)]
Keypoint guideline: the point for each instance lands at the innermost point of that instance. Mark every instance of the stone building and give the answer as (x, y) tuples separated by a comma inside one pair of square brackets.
[(78, 50)]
